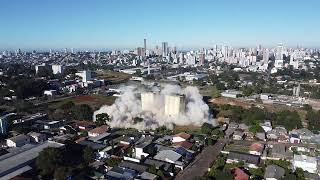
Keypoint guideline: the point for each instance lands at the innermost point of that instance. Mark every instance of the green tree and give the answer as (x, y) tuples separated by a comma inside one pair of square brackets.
[(299, 174), (215, 92), (224, 175), (160, 173), (253, 116), (67, 106), (112, 162), (256, 128), (313, 120), (206, 128), (88, 154), (82, 112), (258, 173), (138, 73), (288, 119), (151, 150), (102, 118), (152, 169), (247, 90), (218, 133), (307, 107), (48, 160), (210, 142)]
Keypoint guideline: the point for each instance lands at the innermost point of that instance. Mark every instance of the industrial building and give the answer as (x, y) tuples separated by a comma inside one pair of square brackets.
[(174, 105), (20, 161), (170, 105), (147, 101)]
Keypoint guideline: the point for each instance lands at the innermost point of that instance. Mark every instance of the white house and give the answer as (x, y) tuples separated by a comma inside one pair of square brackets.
[(140, 145), (306, 163), (294, 138), (266, 126)]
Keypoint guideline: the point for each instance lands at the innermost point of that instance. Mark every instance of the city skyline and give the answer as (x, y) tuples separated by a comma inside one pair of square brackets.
[(124, 24)]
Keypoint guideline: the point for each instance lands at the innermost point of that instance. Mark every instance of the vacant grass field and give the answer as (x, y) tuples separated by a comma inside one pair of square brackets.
[(113, 77), (95, 101)]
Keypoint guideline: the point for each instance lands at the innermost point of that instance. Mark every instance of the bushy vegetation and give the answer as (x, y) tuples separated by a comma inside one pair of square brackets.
[(253, 116)]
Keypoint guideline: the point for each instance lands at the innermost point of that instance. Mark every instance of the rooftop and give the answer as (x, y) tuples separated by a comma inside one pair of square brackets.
[(100, 130), (274, 171), (305, 158), (248, 158), (11, 163), (144, 141), (20, 137), (183, 135), (166, 155)]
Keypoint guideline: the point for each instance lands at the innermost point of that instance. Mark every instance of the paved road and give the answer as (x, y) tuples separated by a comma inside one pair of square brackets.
[(202, 162)]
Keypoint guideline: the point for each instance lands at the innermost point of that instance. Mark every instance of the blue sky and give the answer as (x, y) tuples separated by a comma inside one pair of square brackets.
[(41, 24)]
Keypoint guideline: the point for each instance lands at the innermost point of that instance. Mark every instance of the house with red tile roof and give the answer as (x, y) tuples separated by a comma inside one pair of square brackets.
[(98, 131), (184, 144), (239, 174), (256, 149)]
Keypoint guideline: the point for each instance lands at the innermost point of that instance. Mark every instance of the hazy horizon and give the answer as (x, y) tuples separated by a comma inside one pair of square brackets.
[(123, 24)]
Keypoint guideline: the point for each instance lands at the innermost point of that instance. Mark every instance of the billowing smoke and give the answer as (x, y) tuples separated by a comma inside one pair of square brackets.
[(128, 106)]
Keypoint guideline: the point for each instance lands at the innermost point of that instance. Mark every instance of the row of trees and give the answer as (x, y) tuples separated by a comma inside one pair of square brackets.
[(253, 116)]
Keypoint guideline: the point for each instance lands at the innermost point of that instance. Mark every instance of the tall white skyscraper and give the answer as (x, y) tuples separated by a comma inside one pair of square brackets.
[(279, 53)]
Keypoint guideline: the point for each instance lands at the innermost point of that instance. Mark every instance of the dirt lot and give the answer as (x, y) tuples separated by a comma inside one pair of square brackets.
[(190, 128)]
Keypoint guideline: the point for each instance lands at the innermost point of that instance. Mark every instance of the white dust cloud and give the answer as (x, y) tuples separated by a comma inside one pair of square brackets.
[(128, 106)]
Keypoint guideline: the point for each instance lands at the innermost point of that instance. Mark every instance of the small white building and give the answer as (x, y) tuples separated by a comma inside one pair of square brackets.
[(18, 141), (85, 75), (306, 163), (231, 93), (50, 93)]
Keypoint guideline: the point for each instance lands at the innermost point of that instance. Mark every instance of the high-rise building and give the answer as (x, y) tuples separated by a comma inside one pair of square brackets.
[(4, 123), (57, 69), (201, 58), (279, 52), (165, 49), (145, 47), (140, 51)]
